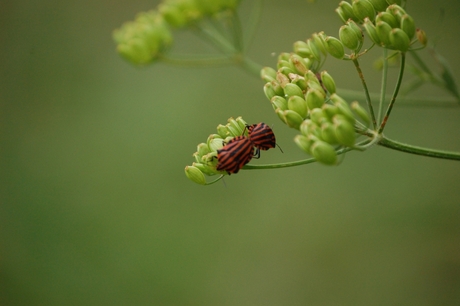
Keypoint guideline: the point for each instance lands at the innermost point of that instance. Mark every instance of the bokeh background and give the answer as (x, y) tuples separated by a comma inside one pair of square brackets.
[(95, 207)]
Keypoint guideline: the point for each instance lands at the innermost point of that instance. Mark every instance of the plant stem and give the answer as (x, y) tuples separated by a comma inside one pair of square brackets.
[(395, 145), (383, 88), (395, 93), (366, 91)]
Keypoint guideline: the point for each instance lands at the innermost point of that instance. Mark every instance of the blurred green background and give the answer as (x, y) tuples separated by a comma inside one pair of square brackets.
[(95, 207)]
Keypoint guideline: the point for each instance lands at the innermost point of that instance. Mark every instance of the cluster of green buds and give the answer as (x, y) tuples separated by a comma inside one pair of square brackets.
[(206, 154), (385, 21), (141, 41), (181, 13)]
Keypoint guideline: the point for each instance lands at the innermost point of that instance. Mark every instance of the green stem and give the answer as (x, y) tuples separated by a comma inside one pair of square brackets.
[(383, 88), (210, 61), (395, 93), (366, 91), (395, 145)]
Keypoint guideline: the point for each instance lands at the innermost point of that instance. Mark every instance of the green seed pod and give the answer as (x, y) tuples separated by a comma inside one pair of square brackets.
[(335, 47), (383, 31), (269, 90), (421, 37), (345, 11), (344, 131), (363, 9), (287, 64), (195, 175), (399, 40), (242, 124), (328, 133), (202, 149), (284, 56), (299, 105), (342, 108), (408, 25), (293, 119), (234, 127), (292, 90), (208, 169), (279, 102), (304, 143), (356, 28), (299, 81), (379, 5), (215, 142), (396, 11), (282, 79), (349, 38), (280, 114), (268, 74), (222, 130), (328, 82), (317, 116), (361, 112), (302, 49), (308, 128), (319, 38), (372, 31), (315, 51), (314, 98), (323, 152), (299, 64), (388, 18), (330, 111)]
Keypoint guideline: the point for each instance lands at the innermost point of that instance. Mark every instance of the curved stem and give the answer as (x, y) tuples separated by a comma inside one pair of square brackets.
[(366, 91), (399, 146)]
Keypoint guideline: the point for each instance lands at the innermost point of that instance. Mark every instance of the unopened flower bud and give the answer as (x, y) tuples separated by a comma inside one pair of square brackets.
[(349, 38), (324, 152), (335, 47), (408, 25), (371, 31), (222, 130), (383, 31), (328, 133), (302, 49), (399, 40), (361, 112), (314, 98), (317, 116), (242, 124), (315, 51), (308, 128), (363, 9), (279, 102), (208, 169), (268, 74), (195, 175), (328, 82), (299, 105), (293, 119), (234, 127), (379, 5), (215, 142), (342, 107), (293, 90), (269, 90), (304, 143), (319, 38), (388, 18), (421, 37), (344, 131), (345, 11)]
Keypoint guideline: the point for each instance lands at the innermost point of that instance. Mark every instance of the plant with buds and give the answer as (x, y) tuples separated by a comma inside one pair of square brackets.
[(302, 94)]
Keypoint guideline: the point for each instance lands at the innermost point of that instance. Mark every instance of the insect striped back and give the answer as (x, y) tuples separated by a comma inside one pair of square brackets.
[(235, 154), (261, 136)]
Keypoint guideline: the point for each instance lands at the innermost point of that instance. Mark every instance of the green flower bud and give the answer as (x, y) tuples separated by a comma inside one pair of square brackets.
[(302, 49), (293, 90), (328, 133), (383, 31), (215, 142), (286, 64), (279, 102), (421, 37), (208, 169), (284, 56), (317, 116), (234, 127), (399, 40), (330, 111), (315, 51), (361, 112), (319, 38), (408, 25), (372, 31), (308, 128), (304, 143), (222, 130), (268, 74), (363, 9), (324, 152), (335, 47), (328, 82), (342, 108), (379, 5), (344, 131), (349, 38), (357, 29), (195, 175), (280, 113), (345, 11), (396, 11), (299, 81), (388, 18), (314, 98), (299, 64), (293, 119), (299, 105), (282, 79), (269, 90)]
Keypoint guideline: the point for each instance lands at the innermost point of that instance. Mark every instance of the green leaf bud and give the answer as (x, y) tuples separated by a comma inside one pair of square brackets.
[(323, 152), (299, 64), (349, 38), (408, 25), (302, 49), (293, 90), (345, 11), (399, 40), (268, 74), (314, 98), (215, 142), (308, 128), (379, 5), (293, 119), (372, 31), (315, 51), (328, 133), (304, 143), (344, 131), (319, 38), (335, 47), (282, 79), (383, 31), (317, 116), (269, 90), (342, 107), (279, 102), (388, 18), (195, 175), (299, 105), (223, 131), (361, 112), (421, 37), (363, 9), (299, 81), (328, 82)]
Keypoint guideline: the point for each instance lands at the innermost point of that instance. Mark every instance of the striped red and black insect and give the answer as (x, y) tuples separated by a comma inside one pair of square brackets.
[(262, 137), (235, 154)]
